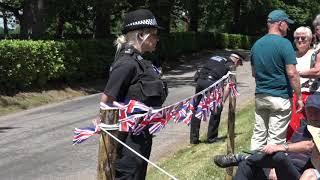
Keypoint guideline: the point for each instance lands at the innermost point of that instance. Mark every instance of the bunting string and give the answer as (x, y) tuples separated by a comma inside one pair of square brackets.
[(135, 116), (135, 152)]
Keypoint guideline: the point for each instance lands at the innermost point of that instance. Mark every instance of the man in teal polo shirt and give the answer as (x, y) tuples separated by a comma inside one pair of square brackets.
[(273, 63)]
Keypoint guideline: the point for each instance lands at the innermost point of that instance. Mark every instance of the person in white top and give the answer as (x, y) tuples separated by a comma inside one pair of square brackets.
[(316, 36), (307, 71)]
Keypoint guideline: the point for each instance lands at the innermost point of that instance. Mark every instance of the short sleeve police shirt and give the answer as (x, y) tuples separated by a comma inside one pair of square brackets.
[(123, 71)]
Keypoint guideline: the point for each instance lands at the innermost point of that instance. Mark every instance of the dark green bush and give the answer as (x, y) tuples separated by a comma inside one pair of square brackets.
[(87, 59), (234, 41), (25, 64), (222, 40), (174, 44)]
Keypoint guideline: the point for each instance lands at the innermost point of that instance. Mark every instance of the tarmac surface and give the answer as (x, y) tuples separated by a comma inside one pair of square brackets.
[(37, 144)]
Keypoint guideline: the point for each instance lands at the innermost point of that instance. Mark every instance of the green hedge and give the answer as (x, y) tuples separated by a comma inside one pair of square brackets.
[(174, 44), (25, 64)]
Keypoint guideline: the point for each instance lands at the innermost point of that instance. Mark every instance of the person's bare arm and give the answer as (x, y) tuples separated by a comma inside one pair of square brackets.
[(302, 146), (295, 84), (272, 174), (313, 72), (253, 71), (107, 99)]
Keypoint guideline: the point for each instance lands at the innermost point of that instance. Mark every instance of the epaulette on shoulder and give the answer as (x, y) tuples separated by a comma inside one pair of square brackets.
[(128, 51)]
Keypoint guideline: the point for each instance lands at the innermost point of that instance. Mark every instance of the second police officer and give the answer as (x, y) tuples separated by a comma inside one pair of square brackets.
[(214, 69)]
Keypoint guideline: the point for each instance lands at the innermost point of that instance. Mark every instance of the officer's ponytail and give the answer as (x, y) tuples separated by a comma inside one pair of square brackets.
[(120, 41), (130, 39)]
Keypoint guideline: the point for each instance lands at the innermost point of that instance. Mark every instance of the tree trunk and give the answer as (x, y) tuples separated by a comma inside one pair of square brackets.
[(5, 24), (40, 16), (102, 20), (26, 20), (236, 8), (136, 4), (33, 21), (162, 9), (194, 16), (60, 26)]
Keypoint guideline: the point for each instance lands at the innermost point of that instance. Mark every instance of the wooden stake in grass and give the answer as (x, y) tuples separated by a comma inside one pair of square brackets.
[(231, 123), (107, 147)]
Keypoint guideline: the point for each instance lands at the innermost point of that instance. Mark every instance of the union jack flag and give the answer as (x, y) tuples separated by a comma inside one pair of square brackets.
[(159, 121), (233, 89), (212, 98), (181, 111), (190, 111), (168, 113), (218, 95), (203, 109), (131, 115), (136, 107), (82, 134), (156, 127)]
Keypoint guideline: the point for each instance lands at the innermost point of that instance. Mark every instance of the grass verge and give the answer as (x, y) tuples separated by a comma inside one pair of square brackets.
[(27, 100), (195, 162), (55, 92)]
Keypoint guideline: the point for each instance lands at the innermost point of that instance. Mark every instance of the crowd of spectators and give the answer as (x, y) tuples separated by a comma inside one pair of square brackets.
[(285, 142)]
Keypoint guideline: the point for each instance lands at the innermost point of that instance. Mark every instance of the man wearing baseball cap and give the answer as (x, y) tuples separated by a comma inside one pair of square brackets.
[(273, 63), (279, 15)]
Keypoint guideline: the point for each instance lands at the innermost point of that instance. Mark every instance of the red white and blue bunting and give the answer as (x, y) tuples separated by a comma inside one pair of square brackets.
[(136, 116)]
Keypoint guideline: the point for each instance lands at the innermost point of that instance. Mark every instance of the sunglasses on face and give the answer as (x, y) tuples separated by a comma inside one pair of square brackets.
[(302, 38)]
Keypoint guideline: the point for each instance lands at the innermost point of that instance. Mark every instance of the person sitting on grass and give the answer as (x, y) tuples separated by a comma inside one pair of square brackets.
[(289, 160)]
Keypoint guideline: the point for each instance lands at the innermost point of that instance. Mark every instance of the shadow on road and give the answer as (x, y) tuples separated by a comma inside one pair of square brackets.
[(189, 63), (179, 81), (4, 129)]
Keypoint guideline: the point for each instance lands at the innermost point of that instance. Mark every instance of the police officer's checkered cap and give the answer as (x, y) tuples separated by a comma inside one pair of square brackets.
[(139, 19)]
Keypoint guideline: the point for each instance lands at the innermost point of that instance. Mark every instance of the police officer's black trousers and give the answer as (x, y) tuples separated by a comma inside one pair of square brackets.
[(214, 121), (128, 165)]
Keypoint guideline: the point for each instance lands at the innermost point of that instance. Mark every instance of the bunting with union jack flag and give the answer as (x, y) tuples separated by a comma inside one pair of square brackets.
[(135, 116)]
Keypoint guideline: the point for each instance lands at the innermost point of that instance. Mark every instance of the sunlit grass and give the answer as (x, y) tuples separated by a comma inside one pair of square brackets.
[(195, 162), (22, 101)]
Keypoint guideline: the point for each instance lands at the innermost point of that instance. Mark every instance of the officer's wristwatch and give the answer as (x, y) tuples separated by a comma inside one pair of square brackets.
[(286, 147)]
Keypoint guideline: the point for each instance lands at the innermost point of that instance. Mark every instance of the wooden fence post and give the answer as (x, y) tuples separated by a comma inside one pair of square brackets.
[(231, 125), (107, 147)]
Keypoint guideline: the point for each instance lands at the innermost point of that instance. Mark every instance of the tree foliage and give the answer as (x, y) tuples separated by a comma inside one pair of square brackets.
[(101, 18)]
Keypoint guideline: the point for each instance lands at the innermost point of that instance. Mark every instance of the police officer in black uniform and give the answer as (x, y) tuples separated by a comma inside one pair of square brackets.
[(207, 74), (132, 77)]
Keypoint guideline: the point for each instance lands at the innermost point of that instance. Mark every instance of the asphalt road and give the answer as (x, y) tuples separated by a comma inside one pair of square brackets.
[(37, 143)]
